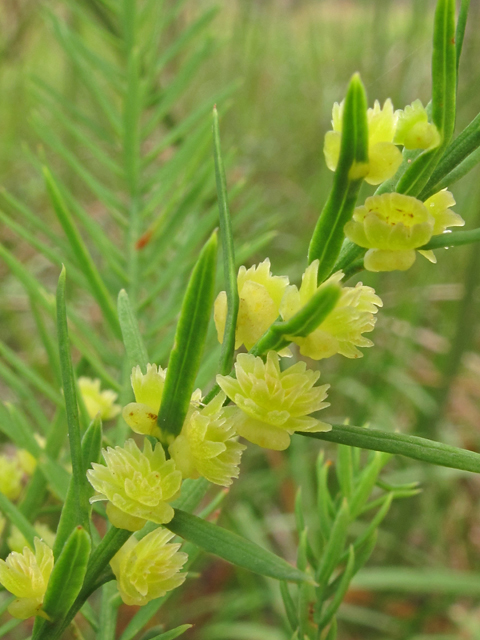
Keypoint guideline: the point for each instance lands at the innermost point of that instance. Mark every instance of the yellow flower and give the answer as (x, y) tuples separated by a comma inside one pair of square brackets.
[(273, 403), (206, 445), (146, 569), (26, 575), (391, 226), (97, 401), (341, 331), (17, 541), (141, 416), (414, 131), (10, 477), (260, 296), (137, 485), (438, 206), (384, 157)]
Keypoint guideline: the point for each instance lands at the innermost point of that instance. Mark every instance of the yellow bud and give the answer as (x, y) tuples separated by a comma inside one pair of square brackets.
[(207, 444), (146, 569), (97, 401), (10, 477), (137, 485), (26, 575), (341, 331), (273, 404), (260, 296), (391, 226), (413, 129)]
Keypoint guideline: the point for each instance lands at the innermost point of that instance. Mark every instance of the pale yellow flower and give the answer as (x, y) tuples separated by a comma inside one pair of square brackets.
[(17, 541), (414, 131), (438, 206), (273, 404), (207, 444), (391, 226), (97, 401), (148, 568), (10, 477), (137, 485), (341, 331), (26, 576), (384, 157), (141, 415), (260, 295)]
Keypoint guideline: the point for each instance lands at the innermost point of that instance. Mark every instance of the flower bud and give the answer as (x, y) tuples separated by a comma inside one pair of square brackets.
[(260, 295), (273, 404), (97, 401), (137, 485), (341, 331), (26, 575), (413, 129), (146, 569), (207, 444), (10, 477)]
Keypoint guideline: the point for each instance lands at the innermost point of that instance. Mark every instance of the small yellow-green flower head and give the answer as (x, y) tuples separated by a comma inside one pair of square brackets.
[(10, 477), (414, 131), (438, 206), (141, 415), (260, 296), (17, 541), (148, 568), (207, 445), (384, 157), (26, 575), (391, 226), (341, 331), (137, 485), (97, 401), (273, 404)]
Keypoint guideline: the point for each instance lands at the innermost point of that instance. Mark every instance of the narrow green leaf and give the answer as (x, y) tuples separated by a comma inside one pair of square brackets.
[(410, 446), (67, 575), (324, 500), (340, 592), (190, 339), (79, 478), (15, 516), (173, 633), (328, 236), (108, 612), (91, 448), (97, 286), (426, 581), (366, 482), (289, 605), (344, 469), (460, 31), (233, 548), (229, 270), (132, 339), (334, 547)]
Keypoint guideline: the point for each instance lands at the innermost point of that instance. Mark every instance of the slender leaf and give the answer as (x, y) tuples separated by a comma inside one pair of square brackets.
[(410, 446), (173, 633), (16, 517), (233, 548), (190, 338), (460, 31), (132, 339), (328, 236), (341, 590)]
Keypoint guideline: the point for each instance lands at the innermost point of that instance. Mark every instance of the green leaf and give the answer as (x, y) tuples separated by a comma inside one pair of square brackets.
[(173, 633), (460, 31), (289, 605), (444, 88), (305, 321), (67, 575), (334, 547), (91, 447), (189, 342), (78, 470), (366, 482), (97, 286), (340, 592), (233, 548), (344, 469), (328, 236), (11, 512), (132, 339), (410, 446), (229, 269)]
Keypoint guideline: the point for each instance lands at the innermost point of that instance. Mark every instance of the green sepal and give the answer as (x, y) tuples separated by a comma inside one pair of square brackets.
[(132, 338), (190, 337), (233, 548), (352, 166)]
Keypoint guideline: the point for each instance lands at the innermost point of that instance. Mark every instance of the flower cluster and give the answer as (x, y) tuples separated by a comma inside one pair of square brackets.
[(26, 575), (393, 226), (386, 129), (96, 401)]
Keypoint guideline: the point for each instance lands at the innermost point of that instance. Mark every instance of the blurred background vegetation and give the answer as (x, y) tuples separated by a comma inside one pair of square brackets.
[(290, 60)]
